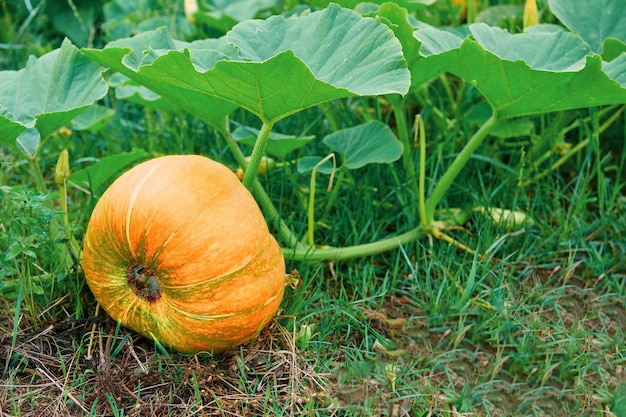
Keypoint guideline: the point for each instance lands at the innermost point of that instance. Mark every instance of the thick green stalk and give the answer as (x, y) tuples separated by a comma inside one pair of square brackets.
[(403, 135), (62, 173), (445, 182), (348, 252), (55, 227), (257, 154), (595, 141), (284, 231), (419, 130), (471, 11)]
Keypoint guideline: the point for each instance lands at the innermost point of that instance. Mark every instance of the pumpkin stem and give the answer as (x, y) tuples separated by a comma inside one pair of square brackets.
[(143, 282)]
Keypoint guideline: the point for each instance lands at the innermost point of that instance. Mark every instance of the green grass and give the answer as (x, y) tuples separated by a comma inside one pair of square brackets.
[(536, 327), (533, 327)]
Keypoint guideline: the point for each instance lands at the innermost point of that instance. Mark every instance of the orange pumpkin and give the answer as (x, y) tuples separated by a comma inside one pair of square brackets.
[(178, 250)]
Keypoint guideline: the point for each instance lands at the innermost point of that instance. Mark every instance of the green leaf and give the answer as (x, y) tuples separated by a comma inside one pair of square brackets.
[(398, 20), (612, 49), (75, 22), (560, 51), (618, 406), (14, 249), (48, 93), (9, 128), (124, 18), (616, 69), (94, 118), (116, 24), (284, 66), (273, 89), (540, 71), (427, 54), (307, 163), (126, 89), (28, 141), (224, 14), (279, 145), (410, 5), (593, 20), (372, 142), (143, 96), (501, 15), (339, 46), (164, 66), (96, 176), (512, 128), (177, 25)]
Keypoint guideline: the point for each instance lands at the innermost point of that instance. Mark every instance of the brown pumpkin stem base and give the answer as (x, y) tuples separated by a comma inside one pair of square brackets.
[(143, 282)]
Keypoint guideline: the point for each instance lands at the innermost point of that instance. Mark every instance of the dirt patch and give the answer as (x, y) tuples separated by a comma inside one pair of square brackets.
[(55, 372)]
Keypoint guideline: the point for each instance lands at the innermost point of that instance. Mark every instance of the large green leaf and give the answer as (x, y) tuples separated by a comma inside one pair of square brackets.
[(397, 18), (284, 65), (47, 94), (539, 71), (594, 20), (339, 47), (548, 50), (440, 40), (165, 66)]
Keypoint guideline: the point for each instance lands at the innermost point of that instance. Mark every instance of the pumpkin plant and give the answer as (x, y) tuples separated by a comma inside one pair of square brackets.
[(279, 66), (178, 250)]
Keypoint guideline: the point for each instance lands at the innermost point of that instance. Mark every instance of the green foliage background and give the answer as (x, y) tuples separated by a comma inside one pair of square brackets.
[(483, 276)]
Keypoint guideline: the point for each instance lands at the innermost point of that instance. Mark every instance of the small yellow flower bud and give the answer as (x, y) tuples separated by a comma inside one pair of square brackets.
[(62, 169), (265, 164), (531, 15), (64, 131)]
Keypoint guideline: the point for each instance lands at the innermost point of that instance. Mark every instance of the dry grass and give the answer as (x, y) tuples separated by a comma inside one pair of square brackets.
[(50, 373)]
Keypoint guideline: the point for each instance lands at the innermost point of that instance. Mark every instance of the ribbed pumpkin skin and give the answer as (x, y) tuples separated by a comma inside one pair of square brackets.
[(187, 221)]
